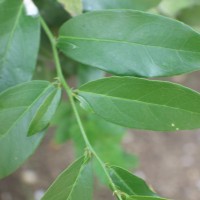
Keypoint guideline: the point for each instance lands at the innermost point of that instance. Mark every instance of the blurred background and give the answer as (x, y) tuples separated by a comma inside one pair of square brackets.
[(169, 162)]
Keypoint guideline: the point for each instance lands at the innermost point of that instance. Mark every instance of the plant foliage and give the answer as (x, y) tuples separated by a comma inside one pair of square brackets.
[(117, 37)]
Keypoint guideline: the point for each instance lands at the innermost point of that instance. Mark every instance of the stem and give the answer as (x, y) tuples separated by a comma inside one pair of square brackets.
[(71, 99)]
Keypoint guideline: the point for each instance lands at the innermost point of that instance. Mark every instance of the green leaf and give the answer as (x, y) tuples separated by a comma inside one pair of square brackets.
[(15, 149), (128, 183), (191, 16), (74, 7), (30, 105), (143, 104), (29, 108), (45, 113), (74, 183), (126, 42), (117, 4), (144, 198), (19, 43)]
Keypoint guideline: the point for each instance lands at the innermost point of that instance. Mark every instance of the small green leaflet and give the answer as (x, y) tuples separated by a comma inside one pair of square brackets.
[(74, 183), (127, 42), (32, 104), (25, 109), (74, 7), (132, 186), (91, 5), (15, 149), (19, 42), (143, 104), (45, 112), (128, 183)]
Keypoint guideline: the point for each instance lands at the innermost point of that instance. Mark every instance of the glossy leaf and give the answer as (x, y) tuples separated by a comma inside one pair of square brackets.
[(128, 183), (91, 5), (33, 103), (45, 113), (15, 149), (19, 43), (143, 104), (74, 7), (24, 109), (73, 183), (126, 42)]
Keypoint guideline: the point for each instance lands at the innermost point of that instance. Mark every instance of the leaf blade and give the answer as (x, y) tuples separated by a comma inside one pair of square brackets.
[(26, 104), (128, 183), (69, 184), (19, 43), (13, 158), (150, 105), (45, 113), (20, 104), (137, 38)]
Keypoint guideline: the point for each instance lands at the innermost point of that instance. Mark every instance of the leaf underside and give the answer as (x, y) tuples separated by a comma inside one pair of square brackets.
[(19, 41)]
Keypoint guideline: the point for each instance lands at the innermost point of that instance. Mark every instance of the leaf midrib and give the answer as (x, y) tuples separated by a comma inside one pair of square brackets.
[(141, 102), (123, 42), (39, 107), (27, 108), (124, 183), (76, 180)]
